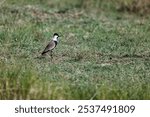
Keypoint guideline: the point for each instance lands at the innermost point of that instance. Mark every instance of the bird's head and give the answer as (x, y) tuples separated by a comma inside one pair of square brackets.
[(55, 37)]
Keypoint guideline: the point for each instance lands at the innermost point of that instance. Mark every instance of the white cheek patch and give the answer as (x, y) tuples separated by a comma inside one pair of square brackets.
[(55, 38)]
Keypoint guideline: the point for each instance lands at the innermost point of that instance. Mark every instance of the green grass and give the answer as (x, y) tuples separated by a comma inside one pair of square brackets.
[(102, 54)]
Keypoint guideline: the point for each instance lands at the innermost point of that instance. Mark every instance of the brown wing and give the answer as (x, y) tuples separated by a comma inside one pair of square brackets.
[(49, 47)]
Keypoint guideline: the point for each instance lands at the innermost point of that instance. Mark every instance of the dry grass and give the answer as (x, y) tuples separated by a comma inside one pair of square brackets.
[(135, 6), (101, 55)]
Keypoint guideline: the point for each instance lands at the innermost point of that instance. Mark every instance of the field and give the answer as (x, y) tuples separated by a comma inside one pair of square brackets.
[(103, 52)]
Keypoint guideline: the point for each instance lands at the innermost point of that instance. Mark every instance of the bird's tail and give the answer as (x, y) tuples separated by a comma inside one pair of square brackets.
[(43, 53)]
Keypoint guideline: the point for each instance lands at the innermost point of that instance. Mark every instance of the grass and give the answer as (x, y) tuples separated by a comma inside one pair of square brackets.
[(102, 54)]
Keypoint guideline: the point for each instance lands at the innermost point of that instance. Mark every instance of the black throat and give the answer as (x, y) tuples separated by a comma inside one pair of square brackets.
[(55, 43)]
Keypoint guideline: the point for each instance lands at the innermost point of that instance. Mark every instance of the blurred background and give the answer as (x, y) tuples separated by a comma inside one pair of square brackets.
[(133, 6)]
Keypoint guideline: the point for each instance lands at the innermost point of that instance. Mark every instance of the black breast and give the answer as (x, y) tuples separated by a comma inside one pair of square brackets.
[(55, 43)]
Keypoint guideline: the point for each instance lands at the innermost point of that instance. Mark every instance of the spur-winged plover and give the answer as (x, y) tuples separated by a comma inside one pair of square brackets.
[(51, 45)]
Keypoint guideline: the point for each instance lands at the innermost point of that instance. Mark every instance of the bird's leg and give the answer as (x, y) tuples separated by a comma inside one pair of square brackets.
[(51, 55)]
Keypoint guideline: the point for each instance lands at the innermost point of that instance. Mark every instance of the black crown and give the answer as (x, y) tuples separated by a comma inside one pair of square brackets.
[(56, 34)]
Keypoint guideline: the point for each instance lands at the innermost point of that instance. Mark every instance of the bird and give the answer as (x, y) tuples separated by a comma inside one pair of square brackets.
[(51, 45)]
